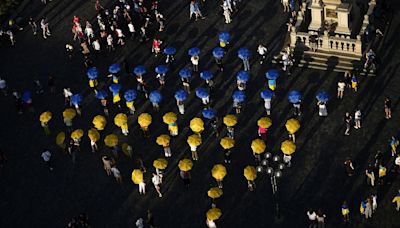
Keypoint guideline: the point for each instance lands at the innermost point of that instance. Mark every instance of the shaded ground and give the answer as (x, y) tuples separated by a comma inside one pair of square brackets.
[(34, 197)]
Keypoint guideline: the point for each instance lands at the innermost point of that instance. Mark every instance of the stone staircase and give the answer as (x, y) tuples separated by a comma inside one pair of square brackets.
[(326, 61)]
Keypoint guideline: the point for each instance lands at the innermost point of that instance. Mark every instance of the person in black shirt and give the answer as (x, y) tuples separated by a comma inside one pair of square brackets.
[(347, 120), (388, 108)]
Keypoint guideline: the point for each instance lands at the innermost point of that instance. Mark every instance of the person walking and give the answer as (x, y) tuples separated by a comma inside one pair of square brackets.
[(3, 86), (347, 121), (345, 212), (396, 200), (312, 219), (185, 175), (369, 172), (262, 51), (44, 25), (142, 188), (340, 89), (195, 62), (368, 208), (357, 119), (388, 108), (321, 219), (33, 25), (46, 156), (117, 174), (349, 168), (157, 181), (394, 143), (195, 9), (374, 198), (226, 13), (107, 162)]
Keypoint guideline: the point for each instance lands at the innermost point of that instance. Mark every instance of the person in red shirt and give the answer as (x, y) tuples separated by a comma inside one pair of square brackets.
[(156, 46)]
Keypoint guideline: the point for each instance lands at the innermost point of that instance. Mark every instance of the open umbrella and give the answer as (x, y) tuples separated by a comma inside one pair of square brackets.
[(155, 96), (161, 69), (185, 73), (214, 193), (242, 76), (264, 122), (114, 68), (99, 122), (92, 73), (243, 53), (206, 75), (77, 134), (208, 113), (115, 88), (76, 99), (194, 140), (258, 146), (224, 37), (250, 173), (194, 51), (120, 119), (230, 120), (60, 138), (227, 143), (169, 51), (213, 214), (45, 117), (218, 52), (139, 70), (27, 96), (322, 96), (185, 165), (272, 74), (163, 140), (239, 96), (218, 172), (267, 94), (111, 140), (202, 92), (130, 95), (94, 135), (197, 125), (292, 126), (137, 176), (181, 95), (160, 163), (170, 118), (288, 147), (294, 96), (101, 94), (144, 119), (69, 113)]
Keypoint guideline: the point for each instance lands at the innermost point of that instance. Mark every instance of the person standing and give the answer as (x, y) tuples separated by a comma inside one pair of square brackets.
[(388, 108), (357, 119), (321, 219), (394, 143), (157, 181), (107, 162), (210, 223), (195, 62), (142, 188), (347, 121), (227, 13), (150, 219), (195, 9), (374, 198), (369, 172), (117, 174), (156, 46), (340, 89), (349, 168), (345, 212), (33, 25), (312, 219), (185, 175), (46, 156), (262, 51), (396, 200), (368, 208), (44, 25)]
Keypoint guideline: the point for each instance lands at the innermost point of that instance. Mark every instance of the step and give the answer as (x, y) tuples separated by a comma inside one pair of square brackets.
[(333, 61), (328, 53)]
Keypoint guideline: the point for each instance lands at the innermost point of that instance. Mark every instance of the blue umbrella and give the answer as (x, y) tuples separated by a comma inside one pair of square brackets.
[(76, 99), (130, 95), (169, 51), (294, 96), (267, 94), (218, 52), (185, 73), (206, 75), (92, 73), (224, 37), (239, 96), (114, 68), (242, 76), (155, 97), (101, 94), (161, 69), (139, 70), (202, 92), (272, 74), (181, 95), (208, 113), (322, 96), (243, 53), (115, 88), (194, 51), (27, 96)]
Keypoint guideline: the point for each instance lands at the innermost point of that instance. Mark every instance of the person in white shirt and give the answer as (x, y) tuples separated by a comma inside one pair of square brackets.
[(67, 96), (195, 62), (89, 31), (357, 119), (340, 89), (139, 223), (117, 174), (195, 156), (312, 217), (210, 223), (96, 45), (131, 29), (142, 188), (227, 13), (110, 43), (156, 179), (3, 86), (46, 156), (120, 36), (262, 51)]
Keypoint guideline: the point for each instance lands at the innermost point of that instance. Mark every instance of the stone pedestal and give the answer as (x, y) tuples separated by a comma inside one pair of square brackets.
[(343, 12), (316, 8)]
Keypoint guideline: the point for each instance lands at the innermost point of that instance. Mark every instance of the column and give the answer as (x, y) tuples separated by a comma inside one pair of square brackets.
[(316, 15)]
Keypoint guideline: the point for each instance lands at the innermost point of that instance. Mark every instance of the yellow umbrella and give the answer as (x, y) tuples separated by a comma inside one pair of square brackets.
[(111, 140), (194, 140), (120, 119), (60, 138), (197, 125), (45, 117), (69, 113), (144, 119), (77, 134), (288, 147), (250, 173), (160, 163), (264, 122), (185, 164), (218, 172), (230, 120), (137, 176), (163, 140), (227, 143), (258, 146), (94, 135), (214, 214), (214, 193), (99, 122), (170, 118), (292, 126)]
